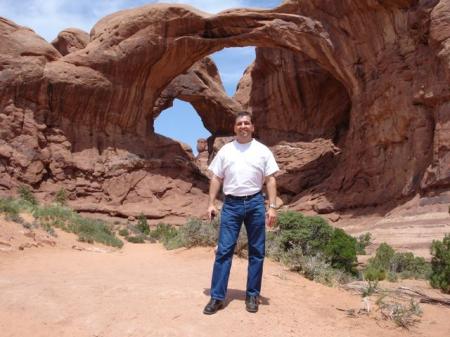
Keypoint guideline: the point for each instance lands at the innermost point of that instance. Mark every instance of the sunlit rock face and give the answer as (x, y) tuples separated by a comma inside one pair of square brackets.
[(353, 96), (70, 40)]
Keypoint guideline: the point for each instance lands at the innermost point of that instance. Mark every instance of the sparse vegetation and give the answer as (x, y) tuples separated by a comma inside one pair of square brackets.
[(61, 197), (88, 230), (440, 264), (27, 195), (136, 239), (391, 265), (124, 232), (362, 242), (401, 314), (311, 246), (199, 233), (168, 235), (10, 207), (142, 225)]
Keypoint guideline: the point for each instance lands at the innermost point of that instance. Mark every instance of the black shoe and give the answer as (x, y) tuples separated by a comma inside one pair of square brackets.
[(251, 303), (213, 306)]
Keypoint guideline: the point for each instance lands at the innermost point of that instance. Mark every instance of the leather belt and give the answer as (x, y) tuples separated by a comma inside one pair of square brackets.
[(242, 197)]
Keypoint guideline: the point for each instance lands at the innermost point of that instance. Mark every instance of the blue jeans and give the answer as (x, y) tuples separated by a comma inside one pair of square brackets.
[(251, 211)]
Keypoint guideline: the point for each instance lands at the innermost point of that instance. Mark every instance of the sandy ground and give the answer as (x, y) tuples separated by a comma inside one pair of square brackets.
[(145, 290)]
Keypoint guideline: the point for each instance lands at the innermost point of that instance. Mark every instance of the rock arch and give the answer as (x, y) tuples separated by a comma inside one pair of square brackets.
[(391, 57)]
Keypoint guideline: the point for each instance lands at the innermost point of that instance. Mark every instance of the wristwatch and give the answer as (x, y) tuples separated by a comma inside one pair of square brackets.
[(273, 206)]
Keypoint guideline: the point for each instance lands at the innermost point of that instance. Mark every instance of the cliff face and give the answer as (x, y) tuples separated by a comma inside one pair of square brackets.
[(352, 95)]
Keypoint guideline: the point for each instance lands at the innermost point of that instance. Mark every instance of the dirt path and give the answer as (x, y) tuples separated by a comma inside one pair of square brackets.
[(144, 290)]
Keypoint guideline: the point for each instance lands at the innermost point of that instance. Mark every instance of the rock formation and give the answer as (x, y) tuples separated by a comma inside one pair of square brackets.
[(70, 40), (352, 95)]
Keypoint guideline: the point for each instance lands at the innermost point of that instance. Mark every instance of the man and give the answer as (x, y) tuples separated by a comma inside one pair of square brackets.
[(242, 166)]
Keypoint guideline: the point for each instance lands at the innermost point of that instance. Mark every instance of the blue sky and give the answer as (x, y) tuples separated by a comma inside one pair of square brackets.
[(48, 17)]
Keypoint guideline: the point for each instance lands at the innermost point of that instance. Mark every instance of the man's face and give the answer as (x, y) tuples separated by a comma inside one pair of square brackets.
[(243, 127)]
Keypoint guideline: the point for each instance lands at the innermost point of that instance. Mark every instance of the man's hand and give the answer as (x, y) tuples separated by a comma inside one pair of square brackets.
[(212, 212), (214, 188), (271, 217)]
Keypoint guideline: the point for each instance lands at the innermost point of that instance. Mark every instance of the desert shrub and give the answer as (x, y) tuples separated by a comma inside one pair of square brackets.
[(383, 256), (312, 247), (124, 232), (10, 207), (406, 265), (379, 265), (27, 195), (142, 225), (168, 235), (173, 242), (199, 233), (341, 251), (88, 230), (136, 239), (370, 289), (401, 314), (440, 264), (391, 265), (310, 233), (61, 197), (163, 231), (96, 230), (374, 273), (362, 242)]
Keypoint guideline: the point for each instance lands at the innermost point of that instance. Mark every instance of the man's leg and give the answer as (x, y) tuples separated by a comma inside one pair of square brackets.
[(256, 232), (230, 225)]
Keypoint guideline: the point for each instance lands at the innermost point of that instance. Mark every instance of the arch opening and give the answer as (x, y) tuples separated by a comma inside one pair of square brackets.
[(181, 123)]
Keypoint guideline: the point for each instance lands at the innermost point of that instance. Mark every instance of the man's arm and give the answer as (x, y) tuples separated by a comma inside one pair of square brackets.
[(214, 188), (271, 214)]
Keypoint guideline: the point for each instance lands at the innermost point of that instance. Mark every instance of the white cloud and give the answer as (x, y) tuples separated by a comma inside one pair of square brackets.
[(210, 6), (48, 17)]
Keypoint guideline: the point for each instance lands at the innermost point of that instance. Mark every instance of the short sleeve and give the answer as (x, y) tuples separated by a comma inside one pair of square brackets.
[(216, 165), (271, 165)]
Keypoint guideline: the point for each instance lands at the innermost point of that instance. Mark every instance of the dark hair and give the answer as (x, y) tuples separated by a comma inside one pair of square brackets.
[(244, 114)]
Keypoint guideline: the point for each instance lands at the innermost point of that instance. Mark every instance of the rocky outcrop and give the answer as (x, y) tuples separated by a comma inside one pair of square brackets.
[(202, 86), (292, 98), (366, 83), (70, 40)]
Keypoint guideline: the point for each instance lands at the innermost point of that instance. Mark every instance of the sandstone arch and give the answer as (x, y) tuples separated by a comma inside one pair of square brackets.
[(391, 57)]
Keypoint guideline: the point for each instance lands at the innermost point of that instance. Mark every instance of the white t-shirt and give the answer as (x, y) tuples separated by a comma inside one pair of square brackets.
[(243, 167)]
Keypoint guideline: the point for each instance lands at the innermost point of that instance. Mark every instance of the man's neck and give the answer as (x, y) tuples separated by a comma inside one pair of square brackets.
[(244, 140)]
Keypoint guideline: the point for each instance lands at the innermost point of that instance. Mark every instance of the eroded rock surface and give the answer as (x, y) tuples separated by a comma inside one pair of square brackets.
[(355, 92), (70, 39)]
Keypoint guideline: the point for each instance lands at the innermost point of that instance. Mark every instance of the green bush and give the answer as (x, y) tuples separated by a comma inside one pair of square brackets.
[(27, 195), (124, 232), (168, 235), (310, 233), (308, 244), (142, 225), (363, 241), (406, 265), (383, 256), (341, 251), (88, 230), (9, 207), (199, 233), (313, 235), (136, 239), (391, 265), (374, 273), (61, 197), (440, 264)]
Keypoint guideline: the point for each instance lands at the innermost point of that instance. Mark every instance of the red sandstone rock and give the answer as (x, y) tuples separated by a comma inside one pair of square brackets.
[(377, 97), (70, 40)]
